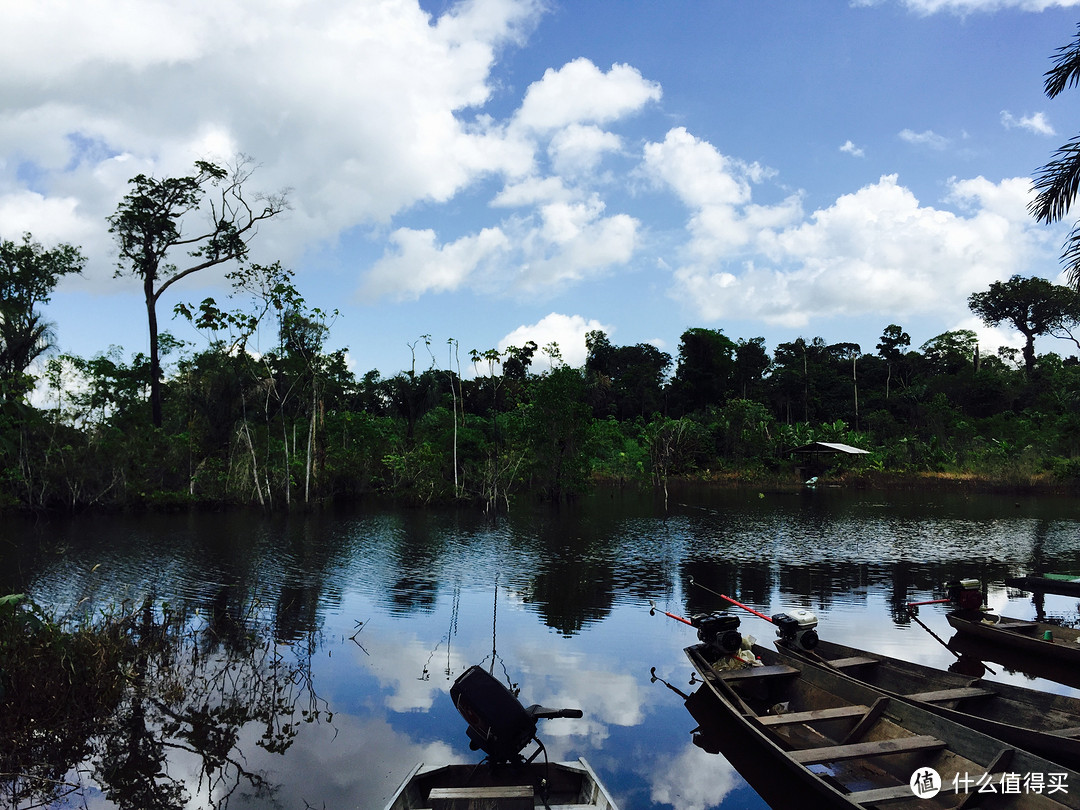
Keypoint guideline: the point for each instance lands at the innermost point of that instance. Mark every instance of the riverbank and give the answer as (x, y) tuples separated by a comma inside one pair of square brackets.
[(885, 481)]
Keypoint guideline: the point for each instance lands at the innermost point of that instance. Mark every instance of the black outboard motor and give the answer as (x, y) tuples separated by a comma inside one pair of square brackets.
[(720, 630), (498, 724)]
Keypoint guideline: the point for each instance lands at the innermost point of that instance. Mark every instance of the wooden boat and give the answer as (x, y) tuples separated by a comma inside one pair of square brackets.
[(973, 651), (849, 745), (1039, 640), (520, 786), (1061, 584), (1041, 722)]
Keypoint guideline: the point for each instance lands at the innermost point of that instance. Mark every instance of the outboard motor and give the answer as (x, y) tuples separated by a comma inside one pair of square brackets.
[(797, 627), (720, 630), (498, 724), (965, 594)]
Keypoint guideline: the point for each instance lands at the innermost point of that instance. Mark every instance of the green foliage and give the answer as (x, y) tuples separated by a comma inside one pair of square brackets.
[(1032, 306), (28, 275), (290, 423)]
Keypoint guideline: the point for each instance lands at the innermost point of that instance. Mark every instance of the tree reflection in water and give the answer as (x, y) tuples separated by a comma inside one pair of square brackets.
[(149, 706)]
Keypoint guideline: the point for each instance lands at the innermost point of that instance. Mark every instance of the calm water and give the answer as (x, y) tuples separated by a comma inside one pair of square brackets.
[(371, 614)]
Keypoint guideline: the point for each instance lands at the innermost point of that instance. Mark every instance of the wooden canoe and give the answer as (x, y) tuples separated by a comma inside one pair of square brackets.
[(849, 745), (972, 649), (1039, 640), (567, 785), (1046, 724), (1061, 584)]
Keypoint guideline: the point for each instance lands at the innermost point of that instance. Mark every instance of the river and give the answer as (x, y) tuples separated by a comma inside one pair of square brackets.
[(360, 619)]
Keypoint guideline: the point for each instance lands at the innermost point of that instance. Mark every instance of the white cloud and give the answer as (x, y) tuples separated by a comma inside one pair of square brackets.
[(1036, 123), (717, 189), (563, 242), (580, 93), (568, 331), (419, 265), (693, 779), (361, 109), (875, 250), (531, 191), (579, 148), (850, 148), (962, 7), (928, 138), (571, 242)]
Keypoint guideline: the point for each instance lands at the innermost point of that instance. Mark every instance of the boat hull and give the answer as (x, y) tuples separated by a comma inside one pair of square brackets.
[(506, 787), (854, 746), (1043, 723), (1063, 586), (1027, 637)]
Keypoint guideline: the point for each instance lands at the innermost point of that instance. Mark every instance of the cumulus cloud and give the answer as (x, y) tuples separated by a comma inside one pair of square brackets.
[(568, 331), (878, 249), (362, 109), (562, 242), (581, 93), (415, 264), (579, 148), (717, 190), (1036, 123)]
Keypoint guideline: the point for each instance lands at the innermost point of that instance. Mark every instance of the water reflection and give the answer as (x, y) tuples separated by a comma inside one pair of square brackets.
[(168, 733), (382, 609)]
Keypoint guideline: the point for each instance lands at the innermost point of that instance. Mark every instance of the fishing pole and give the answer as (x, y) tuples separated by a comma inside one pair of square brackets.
[(652, 612), (733, 601), (794, 626), (913, 614), (715, 629)]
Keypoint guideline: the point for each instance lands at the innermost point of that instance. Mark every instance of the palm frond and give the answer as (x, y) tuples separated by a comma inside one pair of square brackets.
[(1066, 69), (1070, 257), (1057, 184)]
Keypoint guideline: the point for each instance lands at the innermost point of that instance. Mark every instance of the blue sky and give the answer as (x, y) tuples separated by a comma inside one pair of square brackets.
[(503, 170)]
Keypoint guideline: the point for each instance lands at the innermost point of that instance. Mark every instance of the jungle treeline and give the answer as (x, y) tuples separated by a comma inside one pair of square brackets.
[(294, 426)]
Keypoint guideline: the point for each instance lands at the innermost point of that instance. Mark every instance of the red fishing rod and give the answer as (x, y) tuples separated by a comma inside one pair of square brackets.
[(716, 629), (653, 608), (733, 601), (793, 626)]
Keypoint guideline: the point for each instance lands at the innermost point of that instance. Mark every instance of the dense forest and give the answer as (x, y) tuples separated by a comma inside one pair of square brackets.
[(223, 423), (295, 426)]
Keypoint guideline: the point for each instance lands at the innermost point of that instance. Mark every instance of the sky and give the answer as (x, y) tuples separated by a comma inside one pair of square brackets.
[(490, 172)]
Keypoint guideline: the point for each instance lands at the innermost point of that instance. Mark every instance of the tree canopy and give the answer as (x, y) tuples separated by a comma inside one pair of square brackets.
[(1032, 306), (154, 222), (28, 275)]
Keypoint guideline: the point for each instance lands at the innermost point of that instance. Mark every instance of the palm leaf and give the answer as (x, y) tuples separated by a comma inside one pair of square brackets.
[(1066, 69), (1070, 257), (1057, 184)]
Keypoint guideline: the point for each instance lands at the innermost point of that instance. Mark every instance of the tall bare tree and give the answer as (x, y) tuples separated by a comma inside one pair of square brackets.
[(208, 218)]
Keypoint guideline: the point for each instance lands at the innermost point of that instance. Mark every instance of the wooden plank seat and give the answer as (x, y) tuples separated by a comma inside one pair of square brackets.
[(770, 671), (853, 661), (959, 693), (837, 753), (898, 793), (1016, 625), (476, 793), (791, 718)]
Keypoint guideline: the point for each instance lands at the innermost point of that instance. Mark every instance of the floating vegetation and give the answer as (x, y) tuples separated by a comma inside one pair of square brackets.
[(110, 703)]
